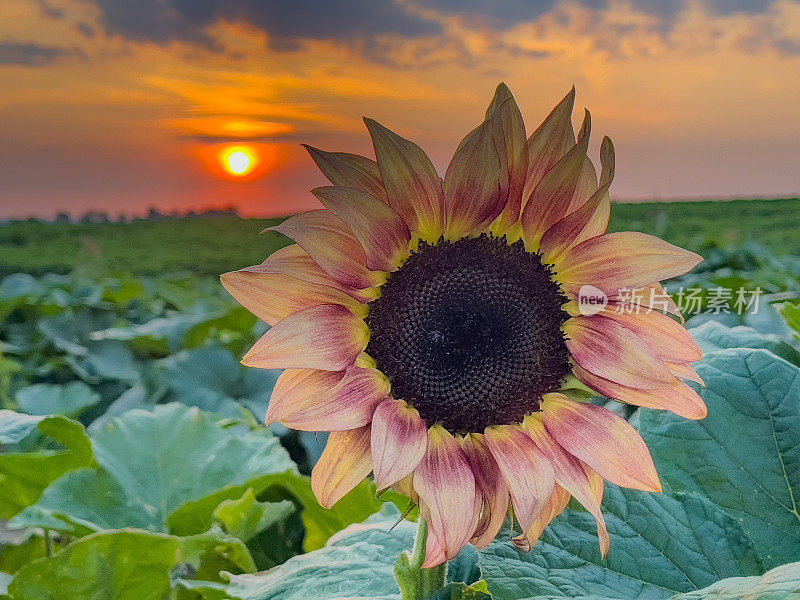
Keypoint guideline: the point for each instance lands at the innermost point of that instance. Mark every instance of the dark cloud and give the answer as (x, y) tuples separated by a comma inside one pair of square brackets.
[(505, 13), (33, 55), (286, 21)]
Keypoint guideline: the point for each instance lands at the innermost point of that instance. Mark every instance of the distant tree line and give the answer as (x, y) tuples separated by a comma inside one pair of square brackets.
[(153, 214)]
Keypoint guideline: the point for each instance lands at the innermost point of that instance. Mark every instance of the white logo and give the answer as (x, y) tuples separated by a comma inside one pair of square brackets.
[(591, 300)]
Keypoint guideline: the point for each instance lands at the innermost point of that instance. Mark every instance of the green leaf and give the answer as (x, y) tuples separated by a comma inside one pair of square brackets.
[(462, 591), (357, 563), (246, 517), (712, 335), (781, 583), (659, 546), (354, 507), (123, 565), (69, 400), (745, 456), (212, 379), (25, 475), (791, 314), (165, 470)]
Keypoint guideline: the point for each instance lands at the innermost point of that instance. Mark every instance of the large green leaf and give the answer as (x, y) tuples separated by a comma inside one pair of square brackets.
[(745, 456), (25, 475), (356, 563), (69, 400), (781, 583), (659, 546), (712, 335), (246, 517), (165, 470), (123, 565)]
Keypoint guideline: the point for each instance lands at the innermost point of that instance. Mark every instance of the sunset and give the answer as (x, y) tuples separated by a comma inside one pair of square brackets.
[(399, 300), (113, 103)]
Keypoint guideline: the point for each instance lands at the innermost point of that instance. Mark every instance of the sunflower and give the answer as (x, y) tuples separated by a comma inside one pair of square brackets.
[(435, 328)]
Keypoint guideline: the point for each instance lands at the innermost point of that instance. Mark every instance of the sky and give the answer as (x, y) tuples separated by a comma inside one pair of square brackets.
[(120, 106)]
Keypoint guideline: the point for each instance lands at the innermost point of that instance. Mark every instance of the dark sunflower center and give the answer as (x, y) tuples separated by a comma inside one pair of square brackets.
[(469, 332)]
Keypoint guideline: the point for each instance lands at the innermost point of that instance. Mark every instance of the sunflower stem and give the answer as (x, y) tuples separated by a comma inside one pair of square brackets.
[(415, 582)]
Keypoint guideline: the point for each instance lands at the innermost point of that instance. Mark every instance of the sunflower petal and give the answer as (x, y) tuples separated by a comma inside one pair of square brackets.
[(327, 337), (571, 474), (313, 401), (491, 486), (653, 297), (384, 236), (549, 143), (595, 435), (552, 198), (589, 221), (332, 245), (472, 196), (413, 187), (623, 260), (670, 340), (274, 296), (434, 551), (525, 469), (606, 348), (344, 463), (293, 261), (508, 132), (555, 506), (399, 441), (349, 170), (684, 371), (678, 398), (446, 487)]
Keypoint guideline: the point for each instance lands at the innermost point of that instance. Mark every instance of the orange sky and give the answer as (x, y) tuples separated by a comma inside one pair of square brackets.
[(118, 106)]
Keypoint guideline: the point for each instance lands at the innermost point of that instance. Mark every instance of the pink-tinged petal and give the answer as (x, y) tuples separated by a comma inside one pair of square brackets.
[(434, 550), (525, 469), (399, 441), (349, 170), (344, 463), (652, 297), (332, 245), (295, 262), (588, 221), (678, 398), (670, 340), (551, 200), (413, 187), (274, 296), (555, 506), (508, 131), (383, 235), (491, 486), (601, 439), (627, 259), (608, 349), (571, 474), (327, 337), (685, 371), (310, 400), (549, 143), (446, 487), (472, 195)]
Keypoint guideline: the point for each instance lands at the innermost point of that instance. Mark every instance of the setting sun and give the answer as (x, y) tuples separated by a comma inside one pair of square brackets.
[(238, 161)]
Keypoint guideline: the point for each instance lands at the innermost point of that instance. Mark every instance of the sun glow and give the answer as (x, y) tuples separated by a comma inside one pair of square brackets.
[(238, 161)]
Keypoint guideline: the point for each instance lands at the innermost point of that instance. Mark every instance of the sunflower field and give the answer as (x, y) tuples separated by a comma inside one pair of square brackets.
[(134, 463)]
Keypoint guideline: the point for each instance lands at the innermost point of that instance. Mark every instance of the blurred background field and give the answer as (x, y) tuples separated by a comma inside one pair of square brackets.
[(124, 327), (210, 245)]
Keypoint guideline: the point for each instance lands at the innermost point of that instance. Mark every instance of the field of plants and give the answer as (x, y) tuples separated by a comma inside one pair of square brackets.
[(134, 463)]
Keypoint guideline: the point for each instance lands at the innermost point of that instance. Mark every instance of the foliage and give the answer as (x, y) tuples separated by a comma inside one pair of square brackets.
[(133, 462)]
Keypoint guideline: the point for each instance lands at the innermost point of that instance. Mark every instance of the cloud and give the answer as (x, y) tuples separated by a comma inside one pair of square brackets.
[(33, 55), (285, 22)]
